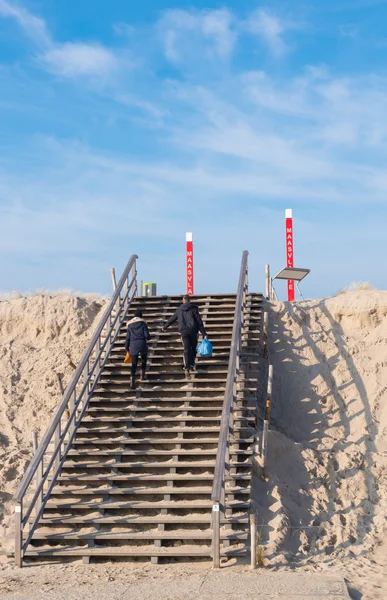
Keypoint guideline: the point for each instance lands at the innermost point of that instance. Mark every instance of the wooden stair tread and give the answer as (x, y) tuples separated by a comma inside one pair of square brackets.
[(202, 429), (137, 504), (148, 477), (156, 535), (156, 409), (160, 552), (156, 419), (153, 465), (130, 441), (143, 520), (156, 452), (76, 491)]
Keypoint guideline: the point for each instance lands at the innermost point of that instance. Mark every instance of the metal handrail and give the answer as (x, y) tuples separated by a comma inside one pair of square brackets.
[(227, 413), (75, 400)]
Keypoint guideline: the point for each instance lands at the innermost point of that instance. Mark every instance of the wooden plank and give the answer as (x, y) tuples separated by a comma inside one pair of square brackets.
[(143, 520), (159, 430), (150, 465), (155, 535), (145, 491), (155, 452), (141, 504), (133, 441)]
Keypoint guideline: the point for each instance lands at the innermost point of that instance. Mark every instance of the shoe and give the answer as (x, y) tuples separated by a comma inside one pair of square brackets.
[(187, 374), (143, 376), (132, 383), (193, 369)]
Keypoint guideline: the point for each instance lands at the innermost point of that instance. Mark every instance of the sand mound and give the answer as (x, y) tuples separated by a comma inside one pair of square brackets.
[(40, 336), (326, 498)]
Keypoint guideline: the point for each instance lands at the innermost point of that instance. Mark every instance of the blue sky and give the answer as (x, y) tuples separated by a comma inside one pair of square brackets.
[(125, 124)]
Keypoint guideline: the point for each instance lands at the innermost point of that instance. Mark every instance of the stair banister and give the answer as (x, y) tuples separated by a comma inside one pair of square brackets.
[(75, 400), (227, 414)]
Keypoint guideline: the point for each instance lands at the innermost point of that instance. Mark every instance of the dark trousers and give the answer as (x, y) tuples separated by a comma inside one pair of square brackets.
[(135, 357), (190, 343)]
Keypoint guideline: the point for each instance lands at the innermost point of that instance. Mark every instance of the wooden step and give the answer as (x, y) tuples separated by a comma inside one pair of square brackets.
[(130, 535), (173, 452), (162, 430), (144, 491), (142, 400), (156, 409), (141, 505), (156, 419), (185, 441), (180, 551), (148, 465), (112, 477), (143, 520)]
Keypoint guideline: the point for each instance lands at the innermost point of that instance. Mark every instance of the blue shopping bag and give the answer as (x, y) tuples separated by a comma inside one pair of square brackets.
[(205, 348)]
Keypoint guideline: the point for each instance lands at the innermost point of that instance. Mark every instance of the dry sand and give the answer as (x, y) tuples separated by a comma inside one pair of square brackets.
[(40, 336), (324, 506)]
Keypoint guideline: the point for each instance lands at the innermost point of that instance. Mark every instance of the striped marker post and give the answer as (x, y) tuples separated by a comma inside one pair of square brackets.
[(289, 250), (189, 264)]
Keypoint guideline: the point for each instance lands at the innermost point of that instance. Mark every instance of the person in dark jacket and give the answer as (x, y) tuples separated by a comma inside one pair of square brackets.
[(136, 343), (189, 323)]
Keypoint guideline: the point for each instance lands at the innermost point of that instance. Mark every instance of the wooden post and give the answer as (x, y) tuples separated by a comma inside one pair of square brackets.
[(113, 272), (265, 334), (39, 471), (268, 282), (18, 534), (253, 538), (266, 422), (216, 535), (134, 275), (57, 442)]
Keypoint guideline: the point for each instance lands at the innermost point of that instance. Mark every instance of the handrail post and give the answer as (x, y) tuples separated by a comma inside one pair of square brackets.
[(134, 277), (216, 534), (267, 287), (57, 443), (18, 534), (253, 539), (114, 281), (266, 421), (265, 331), (39, 470)]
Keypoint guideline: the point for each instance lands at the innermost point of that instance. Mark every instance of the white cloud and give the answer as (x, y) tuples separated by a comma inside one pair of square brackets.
[(70, 59), (34, 27), (270, 28), (213, 31), (217, 25), (75, 59)]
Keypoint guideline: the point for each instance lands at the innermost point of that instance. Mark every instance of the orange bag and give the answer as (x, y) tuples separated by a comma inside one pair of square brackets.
[(128, 358)]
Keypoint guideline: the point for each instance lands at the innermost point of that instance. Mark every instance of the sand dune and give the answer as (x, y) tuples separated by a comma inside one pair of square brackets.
[(40, 336), (325, 503)]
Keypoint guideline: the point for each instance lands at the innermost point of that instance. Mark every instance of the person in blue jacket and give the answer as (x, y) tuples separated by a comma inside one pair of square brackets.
[(136, 343)]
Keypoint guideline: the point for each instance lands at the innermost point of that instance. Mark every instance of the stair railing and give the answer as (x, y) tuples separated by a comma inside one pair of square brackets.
[(45, 467), (227, 422)]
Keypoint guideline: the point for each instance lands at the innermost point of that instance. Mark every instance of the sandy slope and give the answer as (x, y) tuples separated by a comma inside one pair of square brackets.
[(324, 506), (39, 336), (325, 503)]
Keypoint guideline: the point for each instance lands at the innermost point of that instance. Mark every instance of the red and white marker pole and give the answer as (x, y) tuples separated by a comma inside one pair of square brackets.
[(189, 264), (289, 250)]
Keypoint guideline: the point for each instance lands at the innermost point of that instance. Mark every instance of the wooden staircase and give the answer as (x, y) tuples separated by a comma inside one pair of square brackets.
[(138, 478)]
